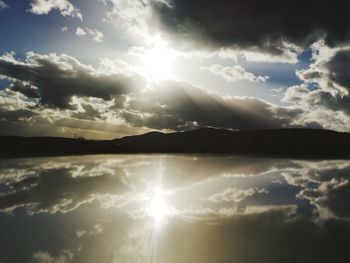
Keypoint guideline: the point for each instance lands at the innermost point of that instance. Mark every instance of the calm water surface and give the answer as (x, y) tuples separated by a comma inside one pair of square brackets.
[(174, 208)]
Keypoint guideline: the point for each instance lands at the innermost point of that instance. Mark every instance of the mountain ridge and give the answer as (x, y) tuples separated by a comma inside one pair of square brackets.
[(294, 142)]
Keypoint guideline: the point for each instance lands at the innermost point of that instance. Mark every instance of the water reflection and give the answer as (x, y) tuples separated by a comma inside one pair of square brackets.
[(173, 208)]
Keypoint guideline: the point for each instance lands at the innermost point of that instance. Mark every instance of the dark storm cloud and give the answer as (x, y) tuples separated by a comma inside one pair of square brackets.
[(27, 90), (332, 195), (324, 100), (58, 78), (337, 199), (15, 115), (329, 101), (254, 23), (180, 105), (89, 113), (338, 68)]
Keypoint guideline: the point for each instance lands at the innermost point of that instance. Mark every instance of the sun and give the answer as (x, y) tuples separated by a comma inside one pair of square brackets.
[(156, 62), (158, 209)]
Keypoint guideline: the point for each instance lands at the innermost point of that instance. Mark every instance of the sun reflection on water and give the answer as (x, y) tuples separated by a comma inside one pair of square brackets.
[(158, 208)]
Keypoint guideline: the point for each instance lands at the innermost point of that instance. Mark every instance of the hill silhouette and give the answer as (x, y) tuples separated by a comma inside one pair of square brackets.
[(312, 143)]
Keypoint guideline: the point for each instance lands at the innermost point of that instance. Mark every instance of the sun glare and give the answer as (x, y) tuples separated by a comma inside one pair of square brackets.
[(156, 62), (158, 209)]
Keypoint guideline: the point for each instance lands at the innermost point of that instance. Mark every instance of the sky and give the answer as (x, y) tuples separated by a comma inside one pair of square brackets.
[(104, 69)]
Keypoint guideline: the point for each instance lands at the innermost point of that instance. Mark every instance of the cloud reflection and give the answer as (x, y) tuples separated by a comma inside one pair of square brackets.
[(104, 208)]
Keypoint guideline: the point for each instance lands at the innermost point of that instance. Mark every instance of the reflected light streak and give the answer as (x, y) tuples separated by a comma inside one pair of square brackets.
[(158, 209)]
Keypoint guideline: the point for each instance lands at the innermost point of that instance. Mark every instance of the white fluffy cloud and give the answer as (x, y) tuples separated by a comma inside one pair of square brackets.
[(43, 7), (133, 15), (235, 73), (325, 91), (93, 33)]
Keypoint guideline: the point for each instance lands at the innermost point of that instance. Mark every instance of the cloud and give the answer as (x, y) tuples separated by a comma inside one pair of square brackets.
[(235, 195), (15, 115), (89, 113), (57, 190), (91, 118), (80, 32), (330, 198), (60, 89), (43, 7), (45, 257), (57, 78), (96, 230), (26, 89), (271, 27), (252, 30), (301, 173), (271, 227), (179, 105), (325, 91), (149, 19), (324, 184), (63, 185), (207, 214), (3, 5), (131, 14), (93, 33), (337, 68), (235, 73)]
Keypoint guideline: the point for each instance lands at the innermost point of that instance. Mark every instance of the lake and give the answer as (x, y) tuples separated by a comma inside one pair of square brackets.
[(174, 208)]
